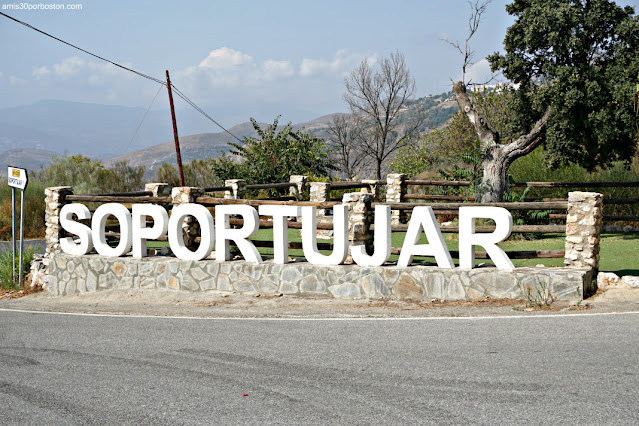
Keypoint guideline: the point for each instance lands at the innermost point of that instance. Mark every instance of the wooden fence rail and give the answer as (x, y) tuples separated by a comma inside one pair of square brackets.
[(297, 245), (212, 201), (574, 184), (117, 199), (438, 197), (218, 188), (348, 185), (550, 205), (127, 194), (437, 182), (281, 185), (517, 229)]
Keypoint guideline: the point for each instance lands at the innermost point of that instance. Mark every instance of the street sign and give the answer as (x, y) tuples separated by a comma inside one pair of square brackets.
[(17, 177)]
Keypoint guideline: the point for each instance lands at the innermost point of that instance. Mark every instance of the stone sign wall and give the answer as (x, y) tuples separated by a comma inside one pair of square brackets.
[(69, 274), (79, 274)]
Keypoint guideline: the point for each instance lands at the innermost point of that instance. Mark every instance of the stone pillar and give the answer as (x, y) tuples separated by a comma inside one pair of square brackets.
[(190, 228), (238, 189), (583, 229), (299, 190), (319, 192), (395, 191), (360, 216), (53, 202), (158, 189), (372, 188)]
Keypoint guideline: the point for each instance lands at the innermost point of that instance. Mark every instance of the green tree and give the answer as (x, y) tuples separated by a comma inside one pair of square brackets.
[(167, 173), (200, 173), (453, 149), (122, 177), (575, 64), (86, 176), (278, 153), (226, 167)]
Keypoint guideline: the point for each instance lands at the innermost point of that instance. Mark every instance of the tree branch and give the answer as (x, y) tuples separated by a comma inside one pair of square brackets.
[(486, 135), (527, 143)]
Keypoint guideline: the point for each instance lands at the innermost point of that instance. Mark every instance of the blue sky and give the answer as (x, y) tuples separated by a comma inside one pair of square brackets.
[(236, 59)]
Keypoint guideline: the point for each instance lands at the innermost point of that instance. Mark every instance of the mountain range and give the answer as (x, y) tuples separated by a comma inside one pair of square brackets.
[(31, 135)]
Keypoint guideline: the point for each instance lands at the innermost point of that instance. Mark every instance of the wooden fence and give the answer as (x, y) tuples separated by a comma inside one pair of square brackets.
[(440, 208), (401, 199)]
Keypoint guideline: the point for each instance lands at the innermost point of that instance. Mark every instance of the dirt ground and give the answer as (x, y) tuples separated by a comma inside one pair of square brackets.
[(213, 304)]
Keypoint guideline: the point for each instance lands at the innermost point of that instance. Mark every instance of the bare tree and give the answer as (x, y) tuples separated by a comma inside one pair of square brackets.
[(345, 144), (478, 8), (376, 98), (496, 156)]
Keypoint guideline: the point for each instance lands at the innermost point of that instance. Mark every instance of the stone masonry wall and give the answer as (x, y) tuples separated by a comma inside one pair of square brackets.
[(53, 202), (583, 229), (395, 191), (79, 274)]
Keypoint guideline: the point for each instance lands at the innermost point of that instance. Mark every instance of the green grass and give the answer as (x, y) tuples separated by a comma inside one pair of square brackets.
[(619, 252), (6, 266)]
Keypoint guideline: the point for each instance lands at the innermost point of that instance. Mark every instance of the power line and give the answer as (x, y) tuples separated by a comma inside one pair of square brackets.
[(201, 111), (179, 93), (85, 51), (142, 121)]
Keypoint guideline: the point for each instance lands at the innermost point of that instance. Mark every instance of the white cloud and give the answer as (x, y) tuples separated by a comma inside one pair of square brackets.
[(94, 73), (105, 73), (341, 64), (40, 72), (224, 78), (76, 78), (69, 67), (272, 70), (479, 72), (1, 75), (302, 87), (226, 70), (225, 58), (17, 81)]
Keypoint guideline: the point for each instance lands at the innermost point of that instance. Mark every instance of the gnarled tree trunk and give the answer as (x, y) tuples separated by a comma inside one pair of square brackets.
[(497, 157), (494, 181)]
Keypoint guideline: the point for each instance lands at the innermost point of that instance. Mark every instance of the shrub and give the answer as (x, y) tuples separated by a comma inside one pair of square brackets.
[(6, 267), (33, 214)]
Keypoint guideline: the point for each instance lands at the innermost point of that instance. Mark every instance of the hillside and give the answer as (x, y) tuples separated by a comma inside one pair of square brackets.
[(202, 145), (105, 132), (25, 158)]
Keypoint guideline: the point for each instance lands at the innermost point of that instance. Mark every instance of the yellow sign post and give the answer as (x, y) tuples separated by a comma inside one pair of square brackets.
[(17, 178)]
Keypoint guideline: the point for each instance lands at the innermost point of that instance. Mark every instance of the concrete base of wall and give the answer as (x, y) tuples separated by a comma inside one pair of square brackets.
[(79, 274)]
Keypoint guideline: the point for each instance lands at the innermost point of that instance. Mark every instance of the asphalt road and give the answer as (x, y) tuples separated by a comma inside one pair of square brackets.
[(77, 369)]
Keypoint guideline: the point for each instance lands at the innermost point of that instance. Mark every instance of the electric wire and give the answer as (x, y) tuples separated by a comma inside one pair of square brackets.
[(163, 83), (201, 111), (142, 121), (85, 51)]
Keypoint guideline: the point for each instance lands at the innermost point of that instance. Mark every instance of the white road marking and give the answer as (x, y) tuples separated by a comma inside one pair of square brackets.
[(325, 319)]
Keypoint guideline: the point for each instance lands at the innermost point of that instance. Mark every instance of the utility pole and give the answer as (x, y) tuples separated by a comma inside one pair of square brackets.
[(175, 132)]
